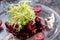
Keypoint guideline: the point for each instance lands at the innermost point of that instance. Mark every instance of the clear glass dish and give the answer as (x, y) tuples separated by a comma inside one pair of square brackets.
[(46, 12)]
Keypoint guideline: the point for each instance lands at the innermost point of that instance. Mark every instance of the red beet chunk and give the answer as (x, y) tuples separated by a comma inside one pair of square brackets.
[(24, 35), (38, 19), (37, 8), (38, 22), (8, 26), (44, 27), (0, 22), (30, 26), (14, 32), (11, 28), (38, 30), (39, 36), (33, 27)]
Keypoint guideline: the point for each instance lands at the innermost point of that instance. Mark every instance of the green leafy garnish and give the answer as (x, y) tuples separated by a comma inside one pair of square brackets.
[(20, 13)]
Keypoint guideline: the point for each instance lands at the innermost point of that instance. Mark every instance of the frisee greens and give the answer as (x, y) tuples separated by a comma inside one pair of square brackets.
[(20, 13)]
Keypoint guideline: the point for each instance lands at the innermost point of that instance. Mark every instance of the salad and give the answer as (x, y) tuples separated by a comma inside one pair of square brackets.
[(25, 22)]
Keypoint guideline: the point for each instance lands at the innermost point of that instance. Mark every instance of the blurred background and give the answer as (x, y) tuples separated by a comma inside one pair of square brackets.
[(54, 4)]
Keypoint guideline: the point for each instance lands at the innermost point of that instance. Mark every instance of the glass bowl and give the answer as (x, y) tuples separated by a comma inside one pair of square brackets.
[(54, 32), (46, 12)]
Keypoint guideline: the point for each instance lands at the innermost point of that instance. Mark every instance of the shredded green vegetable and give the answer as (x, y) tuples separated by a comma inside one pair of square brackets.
[(20, 14)]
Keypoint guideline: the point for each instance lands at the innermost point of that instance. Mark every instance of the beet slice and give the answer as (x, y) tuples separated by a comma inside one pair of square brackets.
[(39, 36), (37, 10)]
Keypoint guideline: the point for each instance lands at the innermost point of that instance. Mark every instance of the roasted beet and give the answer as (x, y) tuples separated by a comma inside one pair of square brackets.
[(8, 26), (38, 19), (39, 36), (38, 22), (27, 31), (37, 10), (33, 27), (30, 26), (44, 27), (38, 30), (15, 32), (24, 35), (11, 28)]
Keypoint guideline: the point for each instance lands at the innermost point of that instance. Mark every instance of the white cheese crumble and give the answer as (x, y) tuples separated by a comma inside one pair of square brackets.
[(49, 21)]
